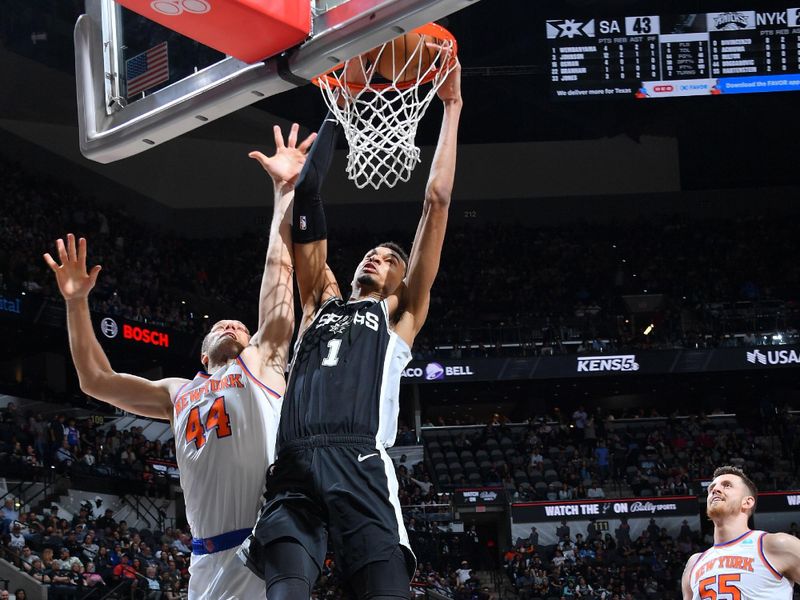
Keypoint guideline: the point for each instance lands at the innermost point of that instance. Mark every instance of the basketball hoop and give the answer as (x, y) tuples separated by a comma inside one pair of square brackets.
[(379, 99)]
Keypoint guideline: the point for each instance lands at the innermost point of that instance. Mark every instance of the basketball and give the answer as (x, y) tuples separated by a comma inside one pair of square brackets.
[(405, 58)]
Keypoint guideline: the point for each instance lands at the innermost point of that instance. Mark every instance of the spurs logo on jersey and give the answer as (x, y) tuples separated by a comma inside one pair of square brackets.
[(738, 570), (225, 426), (345, 375)]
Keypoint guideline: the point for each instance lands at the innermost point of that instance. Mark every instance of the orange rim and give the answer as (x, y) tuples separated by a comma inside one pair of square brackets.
[(432, 29)]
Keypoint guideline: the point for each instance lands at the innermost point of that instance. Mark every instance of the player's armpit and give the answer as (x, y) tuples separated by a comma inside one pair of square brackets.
[(686, 583), (783, 552), (269, 369), (134, 394)]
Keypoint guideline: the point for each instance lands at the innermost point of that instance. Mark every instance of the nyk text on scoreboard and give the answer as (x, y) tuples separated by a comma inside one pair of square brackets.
[(658, 56)]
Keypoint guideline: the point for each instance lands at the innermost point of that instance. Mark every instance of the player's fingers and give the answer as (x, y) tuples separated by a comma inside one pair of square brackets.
[(82, 251), (62, 251), (293, 135), (306, 143), (276, 130), (50, 262), (72, 252), (94, 273), (260, 157)]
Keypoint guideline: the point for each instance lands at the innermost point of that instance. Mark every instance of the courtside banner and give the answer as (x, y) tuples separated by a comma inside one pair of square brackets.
[(618, 364), (581, 510)]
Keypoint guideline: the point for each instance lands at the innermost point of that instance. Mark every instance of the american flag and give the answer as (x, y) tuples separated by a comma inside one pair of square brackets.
[(147, 69)]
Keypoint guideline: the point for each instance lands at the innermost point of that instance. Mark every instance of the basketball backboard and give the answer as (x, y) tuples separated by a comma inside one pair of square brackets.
[(140, 84)]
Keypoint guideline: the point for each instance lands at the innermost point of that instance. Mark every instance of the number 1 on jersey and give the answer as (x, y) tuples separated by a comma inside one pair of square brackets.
[(217, 418), (333, 353)]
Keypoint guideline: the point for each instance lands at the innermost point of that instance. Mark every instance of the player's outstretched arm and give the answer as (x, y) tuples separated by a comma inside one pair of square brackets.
[(686, 584), (783, 553), (315, 280), (270, 343), (411, 308), (97, 378)]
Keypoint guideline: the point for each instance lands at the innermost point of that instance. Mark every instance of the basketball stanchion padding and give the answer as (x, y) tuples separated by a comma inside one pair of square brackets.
[(250, 30), (380, 97)]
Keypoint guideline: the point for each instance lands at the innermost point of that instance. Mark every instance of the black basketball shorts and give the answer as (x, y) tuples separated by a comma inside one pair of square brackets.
[(338, 486)]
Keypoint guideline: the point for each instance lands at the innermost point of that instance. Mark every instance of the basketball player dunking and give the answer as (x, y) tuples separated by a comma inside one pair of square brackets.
[(743, 564), (225, 418), (333, 478)]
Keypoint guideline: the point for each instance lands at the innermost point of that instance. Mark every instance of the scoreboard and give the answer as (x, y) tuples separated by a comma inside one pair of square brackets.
[(659, 56)]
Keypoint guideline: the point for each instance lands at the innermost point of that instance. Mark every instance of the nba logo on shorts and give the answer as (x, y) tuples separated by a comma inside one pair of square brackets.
[(303, 223)]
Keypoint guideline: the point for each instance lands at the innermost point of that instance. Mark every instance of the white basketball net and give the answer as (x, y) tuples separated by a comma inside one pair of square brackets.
[(380, 121)]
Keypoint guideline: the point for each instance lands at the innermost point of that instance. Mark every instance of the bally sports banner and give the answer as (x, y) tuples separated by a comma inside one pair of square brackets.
[(631, 508), (604, 516)]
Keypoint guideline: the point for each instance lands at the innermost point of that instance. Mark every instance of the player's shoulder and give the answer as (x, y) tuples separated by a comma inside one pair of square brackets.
[(173, 384), (780, 542), (693, 561)]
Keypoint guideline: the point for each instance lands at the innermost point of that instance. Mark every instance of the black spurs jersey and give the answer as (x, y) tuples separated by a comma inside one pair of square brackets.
[(345, 374)]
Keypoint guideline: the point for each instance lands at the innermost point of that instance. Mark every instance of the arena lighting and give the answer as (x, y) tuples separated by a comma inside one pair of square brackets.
[(649, 329)]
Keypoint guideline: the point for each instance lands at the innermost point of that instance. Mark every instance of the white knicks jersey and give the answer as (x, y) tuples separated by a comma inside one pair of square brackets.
[(738, 570), (225, 426)]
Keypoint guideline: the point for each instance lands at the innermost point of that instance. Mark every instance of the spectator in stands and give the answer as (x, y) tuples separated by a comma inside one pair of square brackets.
[(623, 532), (153, 584), (125, 573), (89, 547), (563, 531), (92, 578), (595, 491), (16, 540), (9, 515), (27, 557), (67, 583), (20, 594), (65, 561), (463, 573), (64, 454), (107, 520), (39, 572)]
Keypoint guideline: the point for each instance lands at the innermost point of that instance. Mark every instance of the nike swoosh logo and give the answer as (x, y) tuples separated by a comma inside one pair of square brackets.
[(362, 458)]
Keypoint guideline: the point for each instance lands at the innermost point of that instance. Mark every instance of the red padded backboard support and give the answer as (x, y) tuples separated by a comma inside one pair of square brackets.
[(249, 30)]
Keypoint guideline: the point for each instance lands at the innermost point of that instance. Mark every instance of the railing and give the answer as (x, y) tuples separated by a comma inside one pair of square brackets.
[(430, 512), (147, 510)]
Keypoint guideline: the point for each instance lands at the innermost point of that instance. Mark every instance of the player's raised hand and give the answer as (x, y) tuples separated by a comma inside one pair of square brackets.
[(287, 162), (71, 275), (450, 90)]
